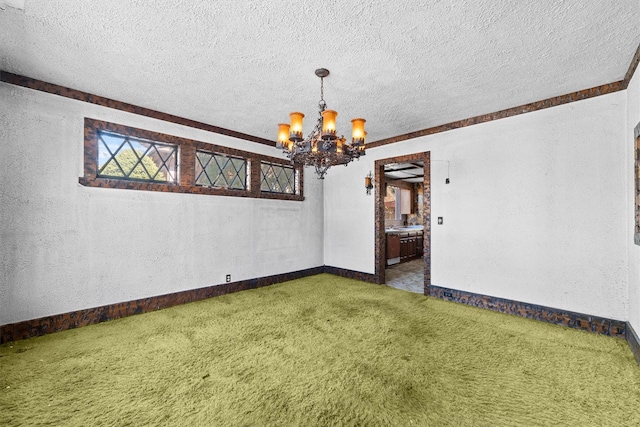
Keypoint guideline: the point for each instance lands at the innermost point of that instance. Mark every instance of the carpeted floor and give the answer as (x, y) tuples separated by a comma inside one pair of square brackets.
[(320, 351)]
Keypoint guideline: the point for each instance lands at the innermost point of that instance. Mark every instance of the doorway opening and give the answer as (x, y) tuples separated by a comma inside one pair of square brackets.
[(403, 222)]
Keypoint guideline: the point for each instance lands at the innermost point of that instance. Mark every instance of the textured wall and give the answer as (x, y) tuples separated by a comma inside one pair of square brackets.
[(633, 118), (536, 210), (64, 247)]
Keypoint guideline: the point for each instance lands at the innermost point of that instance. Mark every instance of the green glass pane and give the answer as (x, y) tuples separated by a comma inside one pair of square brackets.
[(111, 169), (138, 171), (123, 157), (127, 159)]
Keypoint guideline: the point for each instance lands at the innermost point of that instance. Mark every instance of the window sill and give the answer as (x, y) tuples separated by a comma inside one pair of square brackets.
[(176, 188)]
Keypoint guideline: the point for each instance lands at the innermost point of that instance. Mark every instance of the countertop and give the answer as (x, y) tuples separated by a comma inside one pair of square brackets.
[(408, 229)]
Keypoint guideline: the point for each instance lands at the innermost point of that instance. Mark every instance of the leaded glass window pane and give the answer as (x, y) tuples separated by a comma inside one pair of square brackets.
[(124, 157), (221, 171), (277, 178)]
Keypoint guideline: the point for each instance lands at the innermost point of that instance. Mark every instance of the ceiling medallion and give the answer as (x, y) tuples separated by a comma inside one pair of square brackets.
[(322, 148)]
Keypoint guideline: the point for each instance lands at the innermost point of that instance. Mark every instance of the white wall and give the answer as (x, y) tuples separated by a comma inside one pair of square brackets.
[(539, 210), (65, 247), (633, 118), (536, 210)]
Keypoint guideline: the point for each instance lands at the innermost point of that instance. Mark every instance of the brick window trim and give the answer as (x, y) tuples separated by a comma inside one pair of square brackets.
[(186, 161)]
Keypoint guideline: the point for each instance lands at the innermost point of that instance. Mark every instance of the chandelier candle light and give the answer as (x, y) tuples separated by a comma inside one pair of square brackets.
[(322, 148)]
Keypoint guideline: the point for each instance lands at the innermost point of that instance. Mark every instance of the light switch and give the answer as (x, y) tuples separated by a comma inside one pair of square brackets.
[(439, 220)]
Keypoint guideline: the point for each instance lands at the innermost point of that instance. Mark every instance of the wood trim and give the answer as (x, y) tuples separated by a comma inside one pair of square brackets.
[(399, 183), (351, 274), (123, 106), (510, 112), (634, 342), (632, 68), (380, 235), (599, 325), (527, 108), (61, 322), (71, 320), (75, 319)]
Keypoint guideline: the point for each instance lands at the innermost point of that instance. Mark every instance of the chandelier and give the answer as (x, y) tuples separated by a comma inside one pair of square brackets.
[(322, 148)]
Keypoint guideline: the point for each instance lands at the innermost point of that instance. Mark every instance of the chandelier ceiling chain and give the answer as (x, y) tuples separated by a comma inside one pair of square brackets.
[(322, 148)]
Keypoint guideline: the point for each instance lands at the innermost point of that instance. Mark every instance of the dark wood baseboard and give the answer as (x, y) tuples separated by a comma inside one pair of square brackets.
[(351, 274), (634, 342), (599, 325), (60, 322)]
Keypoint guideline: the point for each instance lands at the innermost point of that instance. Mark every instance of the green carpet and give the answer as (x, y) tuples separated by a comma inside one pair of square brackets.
[(320, 351)]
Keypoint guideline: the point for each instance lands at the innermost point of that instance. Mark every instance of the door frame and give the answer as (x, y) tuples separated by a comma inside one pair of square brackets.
[(380, 237)]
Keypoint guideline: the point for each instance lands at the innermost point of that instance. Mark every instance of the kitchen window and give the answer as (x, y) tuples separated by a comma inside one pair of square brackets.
[(397, 202)]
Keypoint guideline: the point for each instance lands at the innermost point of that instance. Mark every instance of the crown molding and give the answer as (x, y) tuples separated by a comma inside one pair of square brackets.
[(521, 109), (632, 68), (509, 112), (123, 106)]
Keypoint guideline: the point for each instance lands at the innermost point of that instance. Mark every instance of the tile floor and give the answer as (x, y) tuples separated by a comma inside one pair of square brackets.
[(408, 276)]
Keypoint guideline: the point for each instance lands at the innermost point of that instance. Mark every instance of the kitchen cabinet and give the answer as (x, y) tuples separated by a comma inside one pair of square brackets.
[(393, 249), (403, 245), (412, 246), (408, 245)]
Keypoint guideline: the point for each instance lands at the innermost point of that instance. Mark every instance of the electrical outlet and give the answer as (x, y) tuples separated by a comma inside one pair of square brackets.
[(440, 220), (228, 278), (448, 295), (446, 181)]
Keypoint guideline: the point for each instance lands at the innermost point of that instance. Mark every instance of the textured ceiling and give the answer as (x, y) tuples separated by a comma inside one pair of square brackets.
[(244, 65)]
